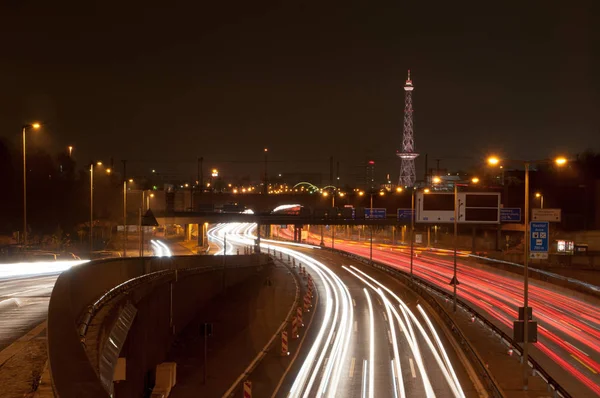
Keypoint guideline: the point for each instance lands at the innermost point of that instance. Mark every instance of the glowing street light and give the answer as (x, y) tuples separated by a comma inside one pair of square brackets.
[(560, 161), (399, 189), (493, 160), (540, 196), (214, 173), (70, 148), (475, 180), (436, 180)]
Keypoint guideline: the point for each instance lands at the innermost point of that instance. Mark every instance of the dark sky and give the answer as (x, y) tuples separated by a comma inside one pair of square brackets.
[(169, 81)]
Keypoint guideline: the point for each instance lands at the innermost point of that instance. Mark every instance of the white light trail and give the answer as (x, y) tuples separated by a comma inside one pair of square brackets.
[(371, 346), (11, 270), (333, 338)]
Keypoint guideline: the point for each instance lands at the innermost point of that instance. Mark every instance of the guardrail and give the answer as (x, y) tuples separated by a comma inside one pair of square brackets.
[(487, 377), (236, 384)]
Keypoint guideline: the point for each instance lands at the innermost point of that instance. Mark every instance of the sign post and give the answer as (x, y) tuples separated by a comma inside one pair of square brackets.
[(538, 238)]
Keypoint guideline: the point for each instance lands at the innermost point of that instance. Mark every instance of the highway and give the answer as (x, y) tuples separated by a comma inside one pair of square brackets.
[(372, 338), (23, 305), (568, 346)]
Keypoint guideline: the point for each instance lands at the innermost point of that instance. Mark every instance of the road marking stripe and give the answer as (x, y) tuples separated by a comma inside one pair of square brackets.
[(352, 364), (354, 302), (355, 326), (412, 367), (384, 317), (390, 336), (583, 352), (578, 360)]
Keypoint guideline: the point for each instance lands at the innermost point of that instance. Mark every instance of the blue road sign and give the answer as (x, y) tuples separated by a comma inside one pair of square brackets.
[(378, 213), (404, 214), (538, 239), (510, 214)]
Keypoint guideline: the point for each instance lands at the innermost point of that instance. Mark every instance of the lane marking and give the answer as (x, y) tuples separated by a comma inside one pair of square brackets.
[(390, 336), (379, 301), (581, 351), (352, 364), (384, 316), (355, 326), (412, 367), (578, 360), (364, 381), (354, 302)]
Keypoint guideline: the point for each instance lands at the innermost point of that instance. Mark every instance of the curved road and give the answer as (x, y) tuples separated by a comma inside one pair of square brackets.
[(373, 338), (568, 344)]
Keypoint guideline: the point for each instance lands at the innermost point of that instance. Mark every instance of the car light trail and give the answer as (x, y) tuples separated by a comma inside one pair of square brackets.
[(371, 346), (10, 270), (334, 335), (448, 373)]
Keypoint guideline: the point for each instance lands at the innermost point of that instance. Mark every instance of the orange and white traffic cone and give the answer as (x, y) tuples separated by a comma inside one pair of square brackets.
[(306, 302), (295, 334), (284, 343), (247, 389)]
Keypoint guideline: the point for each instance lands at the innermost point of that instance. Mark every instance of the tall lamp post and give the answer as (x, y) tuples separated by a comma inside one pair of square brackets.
[(26, 127), (540, 196), (494, 161), (108, 171), (266, 187)]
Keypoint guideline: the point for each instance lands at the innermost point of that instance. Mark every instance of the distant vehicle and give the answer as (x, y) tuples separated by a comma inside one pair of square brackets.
[(99, 254), (42, 256)]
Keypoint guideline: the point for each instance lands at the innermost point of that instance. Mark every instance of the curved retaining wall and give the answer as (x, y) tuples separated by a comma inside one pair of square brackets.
[(75, 290)]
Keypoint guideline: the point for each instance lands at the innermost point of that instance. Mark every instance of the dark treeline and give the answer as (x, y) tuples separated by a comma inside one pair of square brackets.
[(58, 193)]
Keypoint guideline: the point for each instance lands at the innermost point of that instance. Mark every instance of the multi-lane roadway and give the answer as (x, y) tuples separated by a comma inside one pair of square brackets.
[(569, 327), (371, 337)]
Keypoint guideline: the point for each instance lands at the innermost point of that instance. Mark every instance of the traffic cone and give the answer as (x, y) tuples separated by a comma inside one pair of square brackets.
[(284, 343), (247, 389)]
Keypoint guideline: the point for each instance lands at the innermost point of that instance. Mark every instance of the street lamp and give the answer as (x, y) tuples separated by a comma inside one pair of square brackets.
[(559, 161), (540, 196), (92, 204), (70, 148), (33, 126)]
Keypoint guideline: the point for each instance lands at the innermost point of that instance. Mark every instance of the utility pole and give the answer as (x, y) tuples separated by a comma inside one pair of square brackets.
[(201, 172), (124, 207)]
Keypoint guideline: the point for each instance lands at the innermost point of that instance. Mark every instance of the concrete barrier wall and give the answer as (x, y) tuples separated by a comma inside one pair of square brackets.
[(150, 337), (76, 289)]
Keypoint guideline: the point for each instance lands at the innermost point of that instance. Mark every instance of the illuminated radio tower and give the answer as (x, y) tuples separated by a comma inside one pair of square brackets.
[(408, 154)]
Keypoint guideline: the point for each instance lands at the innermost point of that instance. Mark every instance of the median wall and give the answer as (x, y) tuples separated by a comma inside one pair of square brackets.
[(164, 305)]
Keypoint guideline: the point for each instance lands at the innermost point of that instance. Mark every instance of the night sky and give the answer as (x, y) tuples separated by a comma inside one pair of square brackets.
[(160, 83)]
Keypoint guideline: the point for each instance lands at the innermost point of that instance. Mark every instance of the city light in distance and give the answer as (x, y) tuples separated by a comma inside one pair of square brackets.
[(399, 189), (537, 194), (560, 161), (426, 190), (475, 180), (436, 180)]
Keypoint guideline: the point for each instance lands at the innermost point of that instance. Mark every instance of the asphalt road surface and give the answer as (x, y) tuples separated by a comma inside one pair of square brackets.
[(372, 337), (23, 305), (568, 344)]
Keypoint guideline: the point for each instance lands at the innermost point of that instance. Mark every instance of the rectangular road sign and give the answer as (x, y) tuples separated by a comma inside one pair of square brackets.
[(510, 214), (538, 239), (378, 213), (404, 214), (552, 215)]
